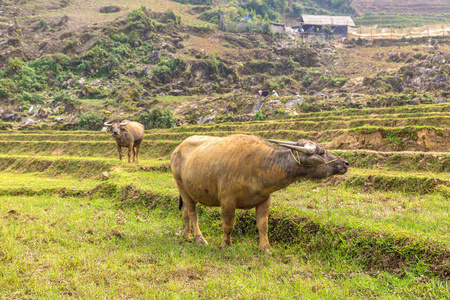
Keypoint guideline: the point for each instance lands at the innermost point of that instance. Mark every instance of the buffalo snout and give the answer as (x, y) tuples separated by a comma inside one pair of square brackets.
[(343, 166)]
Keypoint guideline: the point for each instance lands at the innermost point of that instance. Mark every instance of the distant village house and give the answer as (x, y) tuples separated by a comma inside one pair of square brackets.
[(311, 24)]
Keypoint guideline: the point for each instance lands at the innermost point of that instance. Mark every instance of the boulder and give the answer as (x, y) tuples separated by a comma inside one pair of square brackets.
[(176, 92), (27, 122), (440, 100), (440, 81), (206, 119), (11, 117), (109, 9), (154, 56), (298, 100)]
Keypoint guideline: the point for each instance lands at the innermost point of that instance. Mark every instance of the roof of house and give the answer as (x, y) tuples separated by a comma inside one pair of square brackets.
[(277, 24), (328, 20)]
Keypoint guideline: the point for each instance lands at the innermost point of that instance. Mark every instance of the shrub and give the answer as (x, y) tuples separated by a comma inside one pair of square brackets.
[(90, 121), (3, 92), (266, 28), (259, 116), (63, 98), (158, 118), (31, 98)]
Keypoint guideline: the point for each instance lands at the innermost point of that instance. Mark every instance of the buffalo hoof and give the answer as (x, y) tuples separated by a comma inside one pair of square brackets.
[(265, 250), (199, 240), (187, 235), (225, 244)]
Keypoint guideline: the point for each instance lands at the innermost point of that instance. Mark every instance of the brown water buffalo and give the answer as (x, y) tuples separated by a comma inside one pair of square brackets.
[(242, 171), (129, 135)]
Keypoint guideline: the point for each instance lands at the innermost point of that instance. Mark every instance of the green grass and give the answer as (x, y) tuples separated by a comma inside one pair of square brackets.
[(68, 247), (402, 20), (379, 231)]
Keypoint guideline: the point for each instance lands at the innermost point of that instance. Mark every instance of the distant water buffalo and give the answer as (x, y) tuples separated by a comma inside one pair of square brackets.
[(129, 135), (242, 171)]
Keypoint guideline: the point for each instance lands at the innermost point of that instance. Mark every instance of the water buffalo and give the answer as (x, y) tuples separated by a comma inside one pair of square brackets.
[(129, 135), (242, 171)]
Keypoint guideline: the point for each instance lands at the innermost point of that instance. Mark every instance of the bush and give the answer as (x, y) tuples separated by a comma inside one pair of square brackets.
[(266, 28), (158, 118), (259, 116), (63, 98), (3, 92), (210, 16), (31, 98), (91, 121)]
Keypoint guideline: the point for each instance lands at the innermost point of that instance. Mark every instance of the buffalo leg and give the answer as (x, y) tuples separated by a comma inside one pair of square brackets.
[(190, 206), (186, 224), (119, 149), (134, 154), (137, 147), (130, 149), (228, 216), (262, 220)]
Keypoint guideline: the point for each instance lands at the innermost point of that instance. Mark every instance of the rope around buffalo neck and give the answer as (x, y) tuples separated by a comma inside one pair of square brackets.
[(298, 160)]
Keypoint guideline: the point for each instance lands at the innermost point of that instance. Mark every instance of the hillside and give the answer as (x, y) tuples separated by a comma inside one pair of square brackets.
[(63, 60)]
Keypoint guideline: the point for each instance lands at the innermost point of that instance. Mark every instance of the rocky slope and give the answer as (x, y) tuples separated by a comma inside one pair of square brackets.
[(54, 72)]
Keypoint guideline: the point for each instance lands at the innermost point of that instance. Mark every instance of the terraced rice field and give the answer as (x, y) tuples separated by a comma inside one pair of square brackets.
[(379, 231)]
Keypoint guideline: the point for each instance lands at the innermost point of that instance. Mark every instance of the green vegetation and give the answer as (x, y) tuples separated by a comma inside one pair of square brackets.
[(274, 10), (87, 248), (157, 118), (90, 121), (400, 20), (377, 231), (76, 222), (259, 116)]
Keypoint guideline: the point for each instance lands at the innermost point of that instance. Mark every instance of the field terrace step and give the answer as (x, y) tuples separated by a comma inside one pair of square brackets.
[(435, 162), (161, 144), (406, 182), (82, 167), (180, 133), (410, 109), (441, 121), (303, 125), (389, 230)]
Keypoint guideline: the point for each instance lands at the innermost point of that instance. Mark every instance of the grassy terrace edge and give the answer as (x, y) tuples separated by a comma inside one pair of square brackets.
[(391, 252)]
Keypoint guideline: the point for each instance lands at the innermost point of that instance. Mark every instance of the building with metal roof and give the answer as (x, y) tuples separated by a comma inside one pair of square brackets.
[(327, 20), (328, 25)]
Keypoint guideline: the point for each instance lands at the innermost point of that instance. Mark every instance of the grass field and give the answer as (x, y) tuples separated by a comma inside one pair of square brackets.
[(401, 20), (380, 231)]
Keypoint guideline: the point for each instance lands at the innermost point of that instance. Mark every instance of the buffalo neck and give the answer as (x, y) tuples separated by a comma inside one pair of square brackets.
[(123, 136), (293, 170), (282, 170)]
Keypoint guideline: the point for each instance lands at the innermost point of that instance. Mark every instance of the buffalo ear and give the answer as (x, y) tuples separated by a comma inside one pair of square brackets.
[(313, 160)]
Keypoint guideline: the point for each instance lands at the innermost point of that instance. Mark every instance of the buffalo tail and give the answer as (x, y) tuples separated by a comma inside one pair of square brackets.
[(180, 203)]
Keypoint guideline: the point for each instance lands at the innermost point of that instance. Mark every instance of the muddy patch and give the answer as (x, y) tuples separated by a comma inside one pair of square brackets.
[(428, 138), (363, 141)]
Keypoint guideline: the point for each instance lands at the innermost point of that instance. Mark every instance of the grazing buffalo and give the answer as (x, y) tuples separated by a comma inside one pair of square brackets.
[(129, 135), (242, 171)]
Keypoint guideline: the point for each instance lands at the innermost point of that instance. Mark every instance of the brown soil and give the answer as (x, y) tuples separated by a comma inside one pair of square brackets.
[(428, 140)]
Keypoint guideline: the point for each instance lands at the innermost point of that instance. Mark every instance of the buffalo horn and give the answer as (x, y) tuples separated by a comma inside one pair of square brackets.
[(107, 124), (282, 142), (308, 149), (123, 123)]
